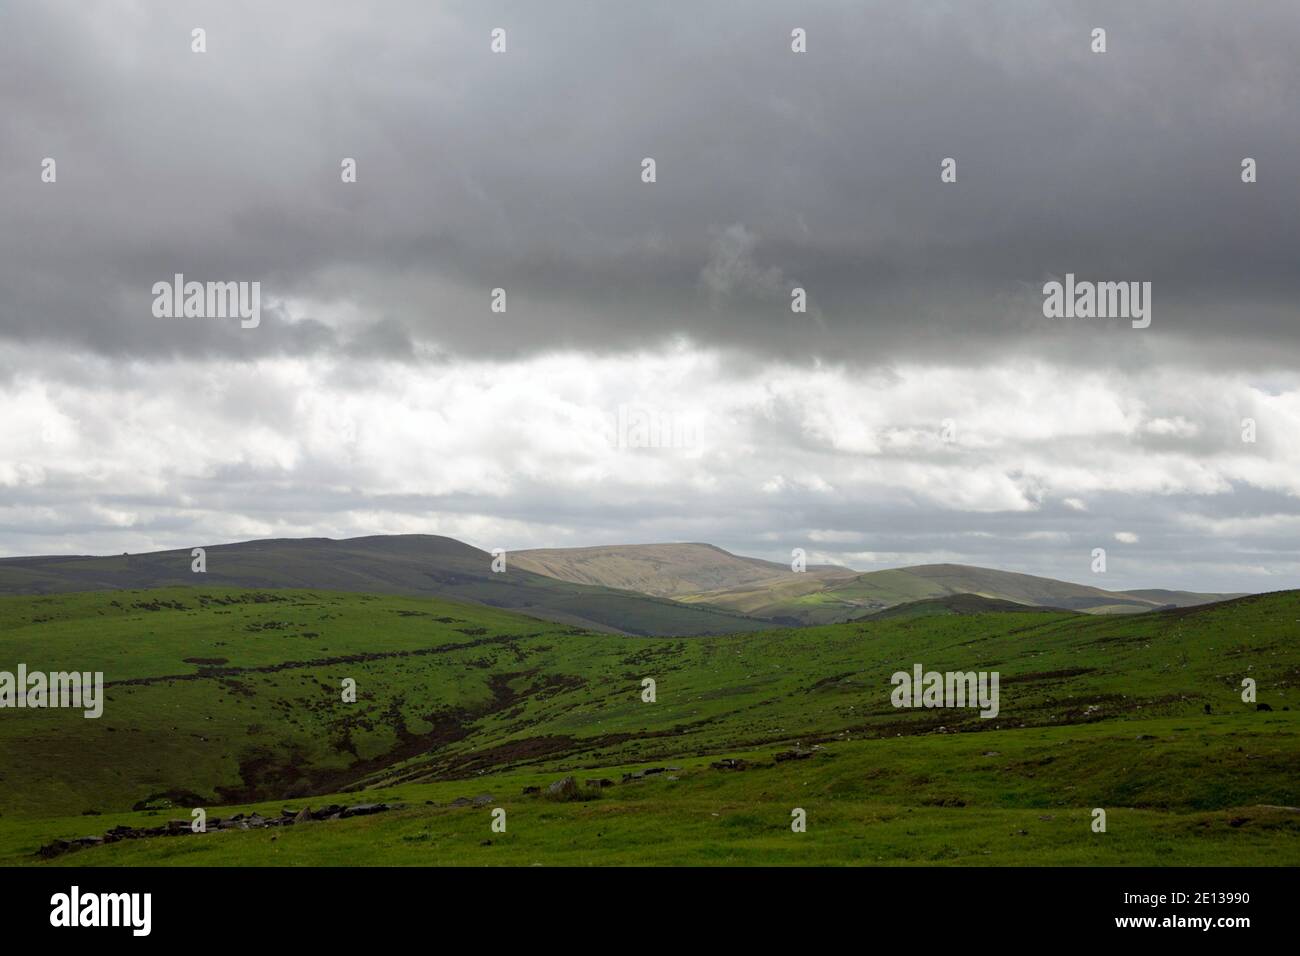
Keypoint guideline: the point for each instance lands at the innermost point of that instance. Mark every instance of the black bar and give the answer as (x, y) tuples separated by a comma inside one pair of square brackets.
[(331, 906)]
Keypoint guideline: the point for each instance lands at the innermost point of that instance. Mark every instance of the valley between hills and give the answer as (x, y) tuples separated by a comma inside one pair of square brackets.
[(525, 692)]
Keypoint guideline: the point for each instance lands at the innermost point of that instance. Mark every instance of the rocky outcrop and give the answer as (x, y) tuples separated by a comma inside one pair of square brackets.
[(566, 788), (730, 763), (792, 755), (253, 821)]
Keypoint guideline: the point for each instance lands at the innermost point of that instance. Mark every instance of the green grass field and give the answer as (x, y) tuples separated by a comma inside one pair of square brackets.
[(231, 699)]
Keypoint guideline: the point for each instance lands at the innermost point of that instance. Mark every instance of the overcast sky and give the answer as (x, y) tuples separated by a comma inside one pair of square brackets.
[(922, 409)]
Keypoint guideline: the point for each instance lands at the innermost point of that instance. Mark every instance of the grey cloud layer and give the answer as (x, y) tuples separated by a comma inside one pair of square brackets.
[(522, 171), (379, 394)]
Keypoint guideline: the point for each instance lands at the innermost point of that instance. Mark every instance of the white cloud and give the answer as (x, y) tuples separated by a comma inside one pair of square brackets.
[(525, 453)]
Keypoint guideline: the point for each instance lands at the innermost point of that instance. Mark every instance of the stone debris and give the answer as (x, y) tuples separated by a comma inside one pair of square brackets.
[(730, 763), (792, 755), (254, 821), (566, 788)]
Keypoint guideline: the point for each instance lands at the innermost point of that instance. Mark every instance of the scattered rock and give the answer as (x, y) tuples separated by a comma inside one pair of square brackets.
[(792, 755), (566, 788), (729, 763), (254, 821), (54, 849), (642, 774)]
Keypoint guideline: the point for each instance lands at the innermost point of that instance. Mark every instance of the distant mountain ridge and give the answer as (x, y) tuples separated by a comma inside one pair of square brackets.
[(703, 574), (663, 589), (413, 564), (874, 591), (663, 570)]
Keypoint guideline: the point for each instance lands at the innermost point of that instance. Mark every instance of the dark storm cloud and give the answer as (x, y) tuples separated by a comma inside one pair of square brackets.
[(774, 169)]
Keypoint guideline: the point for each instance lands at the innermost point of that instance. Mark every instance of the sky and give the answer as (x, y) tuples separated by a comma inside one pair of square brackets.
[(648, 380)]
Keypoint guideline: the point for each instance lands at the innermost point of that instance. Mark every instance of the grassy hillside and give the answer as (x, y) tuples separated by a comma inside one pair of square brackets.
[(829, 601), (413, 564), (666, 590), (951, 604), (1167, 598), (221, 697), (666, 570), (1174, 794)]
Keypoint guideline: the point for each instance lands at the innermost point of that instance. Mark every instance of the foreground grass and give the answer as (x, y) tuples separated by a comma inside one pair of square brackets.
[(939, 799), (230, 699), (234, 696), (681, 832)]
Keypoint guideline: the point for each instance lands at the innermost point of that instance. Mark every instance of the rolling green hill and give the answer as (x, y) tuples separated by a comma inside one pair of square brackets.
[(667, 570), (926, 800), (1167, 598), (412, 564), (228, 697), (828, 601), (665, 589), (949, 604)]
